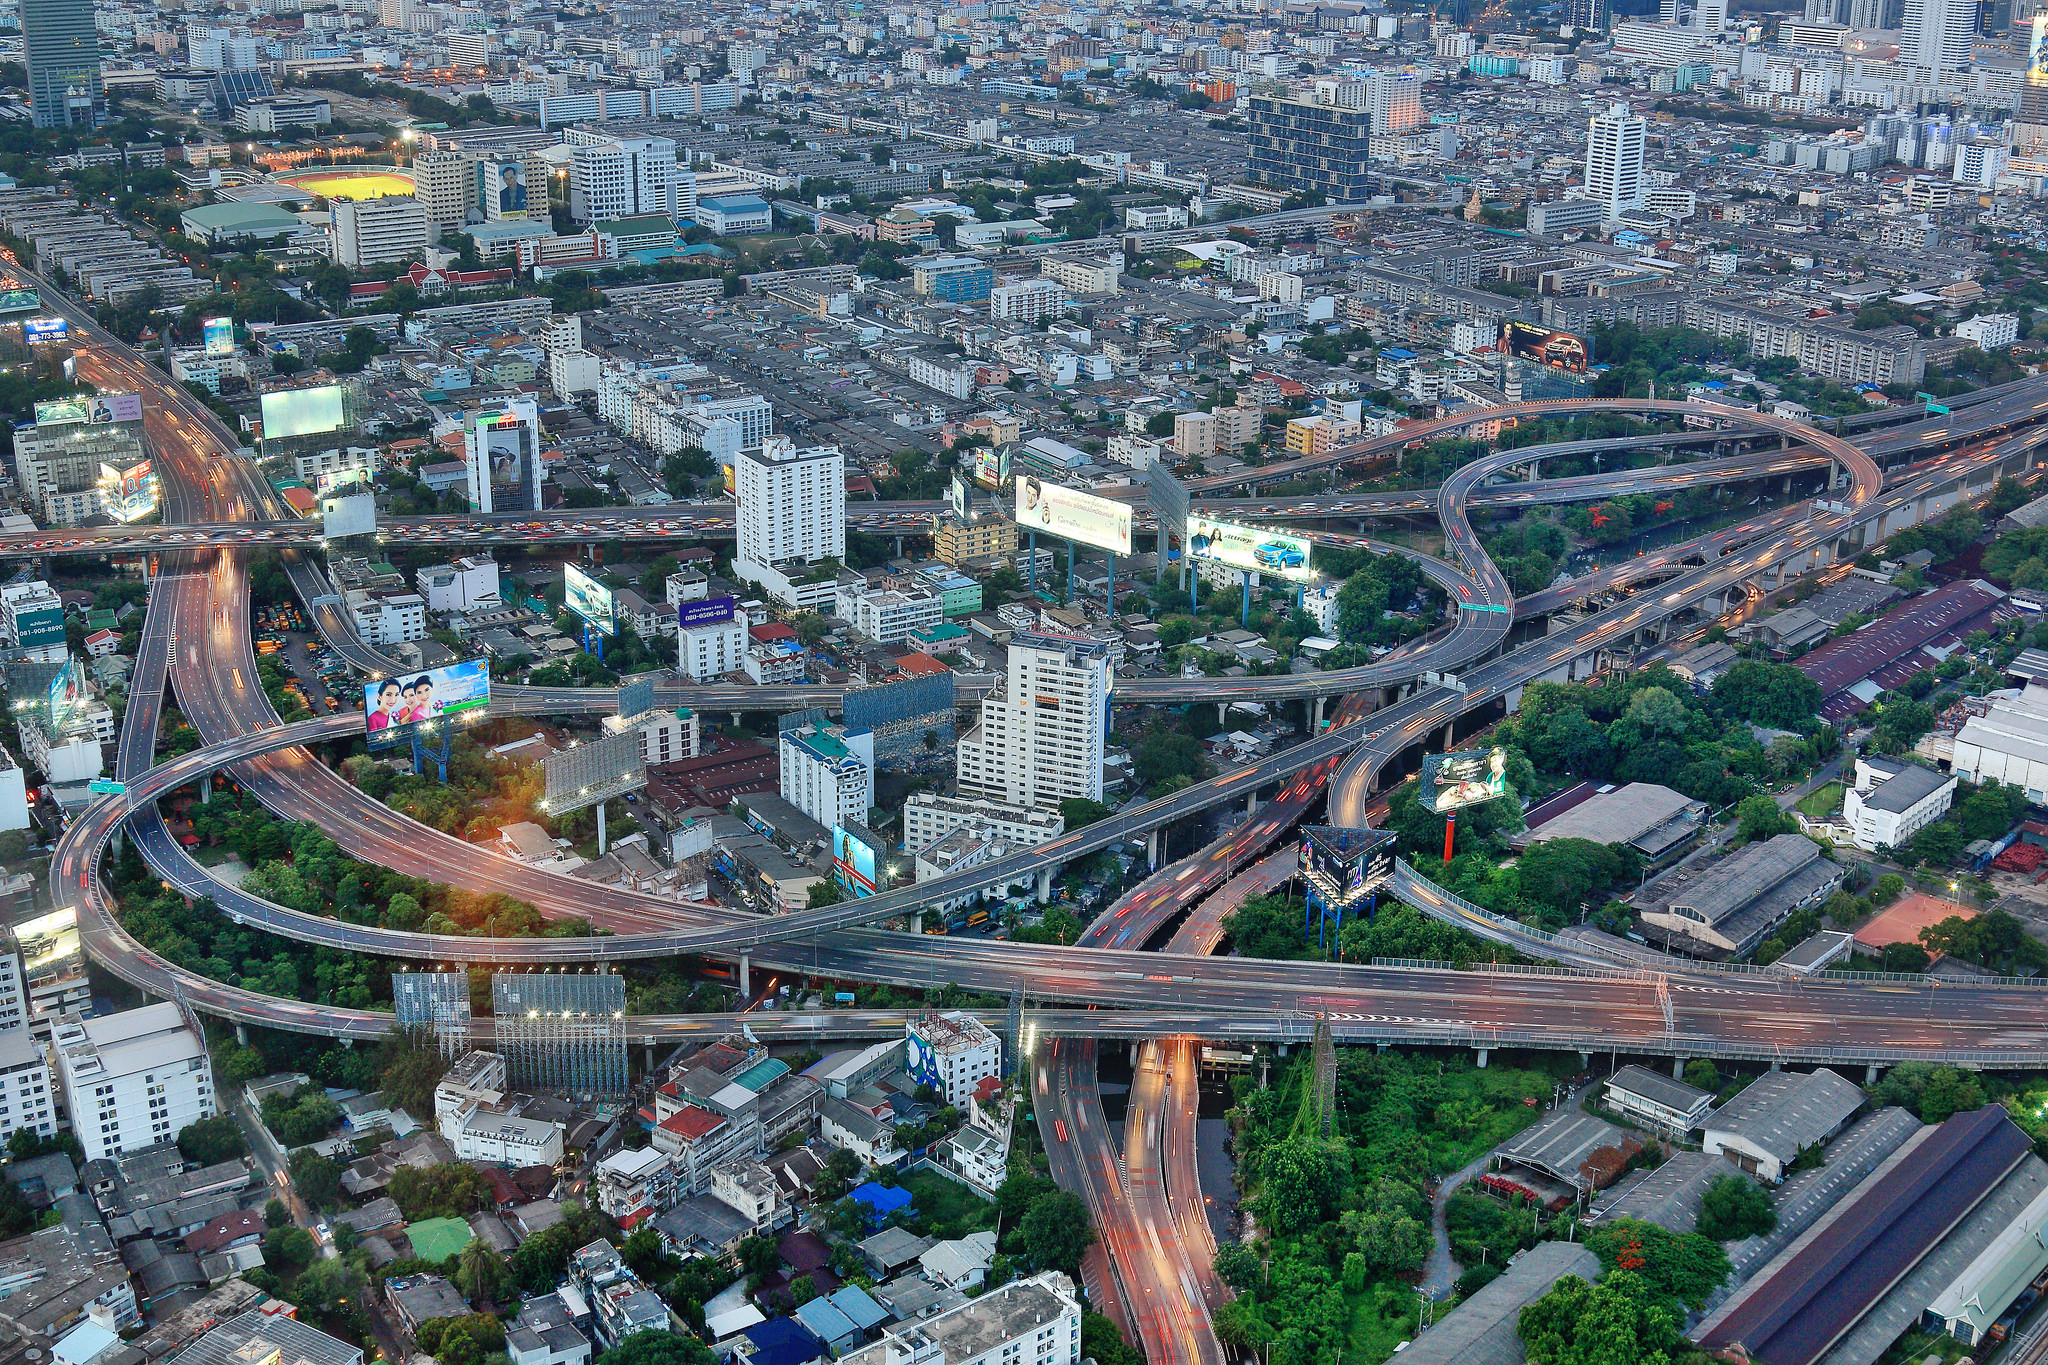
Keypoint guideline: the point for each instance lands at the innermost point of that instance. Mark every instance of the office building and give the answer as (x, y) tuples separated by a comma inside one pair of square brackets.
[(445, 184), (476, 1111), (711, 649), (956, 542), (465, 585), (1893, 800), (666, 736), (625, 177), (884, 614), (953, 279), (132, 1079), (28, 1097), (32, 620), (1300, 144), (952, 1053), (828, 772), (501, 457), (1025, 1322), (1027, 300), (790, 513), (1040, 736), (374, 231), (2009, 743), (1939, 34), (1396, 101), (1614, 160), (929, 817), (61, 47)]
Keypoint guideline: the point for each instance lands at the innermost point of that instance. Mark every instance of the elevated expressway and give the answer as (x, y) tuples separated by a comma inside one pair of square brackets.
[(1219, 998)]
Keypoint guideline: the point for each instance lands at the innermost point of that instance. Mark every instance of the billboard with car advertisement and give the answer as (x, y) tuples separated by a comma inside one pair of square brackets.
[(395, 709), (1469, 777), (1251, 548), (590, 600), (1558, 350), (1073, 515)]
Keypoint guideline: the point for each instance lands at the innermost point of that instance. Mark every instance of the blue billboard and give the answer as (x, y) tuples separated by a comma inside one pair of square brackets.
[(45, 329)]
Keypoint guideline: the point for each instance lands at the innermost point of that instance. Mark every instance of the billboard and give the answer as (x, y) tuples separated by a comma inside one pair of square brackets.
[(1250, 548), (302, 412), (34, 330), (963, 497), (501, 189), (1559, 350), (348, 514), (16, 298), (1073, 515), (1469, 777), (127, 492), (60, 412), (114, 407), (398, 709), (339, 480), (2037, 72), (597, 770), (591, 600), (39, 626), (1168, 497), (706, 611), (636, 696), (220, 336), (853, 862), (1344, 866), (68, 693)]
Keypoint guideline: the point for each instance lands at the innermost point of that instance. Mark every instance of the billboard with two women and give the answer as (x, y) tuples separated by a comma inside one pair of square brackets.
[(396, 708)]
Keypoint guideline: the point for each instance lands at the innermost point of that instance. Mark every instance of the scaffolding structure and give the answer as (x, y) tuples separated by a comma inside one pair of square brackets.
[(562, 1031), (434, 1003)]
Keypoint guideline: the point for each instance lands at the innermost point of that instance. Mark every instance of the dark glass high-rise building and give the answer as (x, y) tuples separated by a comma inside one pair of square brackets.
[(63, 56), (1298, 145)]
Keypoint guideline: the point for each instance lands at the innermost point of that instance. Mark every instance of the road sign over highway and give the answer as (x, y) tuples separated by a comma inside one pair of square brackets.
[(106, 786)]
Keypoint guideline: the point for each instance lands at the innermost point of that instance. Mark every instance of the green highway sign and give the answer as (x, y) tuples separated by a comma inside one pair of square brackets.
[(1482, 606), (106, 786), (1937, 408)]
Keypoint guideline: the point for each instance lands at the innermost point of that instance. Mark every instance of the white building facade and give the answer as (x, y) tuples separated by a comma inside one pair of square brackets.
[(132, 1079)]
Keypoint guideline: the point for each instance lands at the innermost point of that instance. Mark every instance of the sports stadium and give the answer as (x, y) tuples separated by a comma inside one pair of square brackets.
[(350, 182)]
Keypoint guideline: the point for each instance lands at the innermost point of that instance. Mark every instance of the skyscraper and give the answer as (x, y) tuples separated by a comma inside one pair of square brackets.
[(1396, 98), (445, 184), (1308, 145), (63, 55), (1040, 736), (1939, 34), (789, 514), (1614, 160)]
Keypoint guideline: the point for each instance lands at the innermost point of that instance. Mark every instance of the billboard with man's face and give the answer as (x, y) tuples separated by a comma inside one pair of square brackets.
[(395, 709), (1251, 548), (1558, 350), (1469, 777), (1073, 515)]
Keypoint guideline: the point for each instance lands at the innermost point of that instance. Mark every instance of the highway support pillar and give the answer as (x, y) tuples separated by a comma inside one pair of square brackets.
[(1777, 1065), (899, 547), (1482, 1059), (1152, 850), (1317, 728), (1251, 803), (650, 1059), (242, 1033), (1870, 1074), (1044, 885), (600, 829), (746, 977), (1678, 1068), (1222, 712), (917, 923), (206, 790), (737, 717), (1585, 1060)]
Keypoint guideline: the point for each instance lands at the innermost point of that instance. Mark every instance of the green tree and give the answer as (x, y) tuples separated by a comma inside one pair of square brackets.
[(1774, 695), (1238, 1266), (1056, 1231), (1656, 711), (1760, 818), (482, 1274), (1080, 811), (1734, 1207), (330, 1286), (450, 1190), (213, 1140), (317, 1178), (1616, 1322), (288, 1249)]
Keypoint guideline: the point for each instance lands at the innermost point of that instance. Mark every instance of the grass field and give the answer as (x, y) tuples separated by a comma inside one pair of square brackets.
[(363, 184), (947, 1208), (1822, 802)]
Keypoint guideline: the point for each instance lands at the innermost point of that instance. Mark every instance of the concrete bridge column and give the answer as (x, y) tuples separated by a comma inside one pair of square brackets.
[(1317, 727), (736, 717), (242, 1034), (1482, 1058), (1251, 803), (206, 790), (1152, 850), (1777, 1065), (1222, 710), (1585, 1060), (917, 923), (1044, 885), (746, 975), (1870, 1074), (1678, 1068)]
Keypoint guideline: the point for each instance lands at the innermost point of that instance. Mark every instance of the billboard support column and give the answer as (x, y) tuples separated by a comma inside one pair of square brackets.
[(1112, 581), (1247, 620), (1450, 830), (421, 754), (600, 829), (1067, 593), (1031, 564)]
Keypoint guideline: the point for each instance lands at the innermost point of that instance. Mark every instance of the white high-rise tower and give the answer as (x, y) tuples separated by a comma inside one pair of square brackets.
[(1940, 34), (1040, 737), (1614, 160), (790, 509)]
